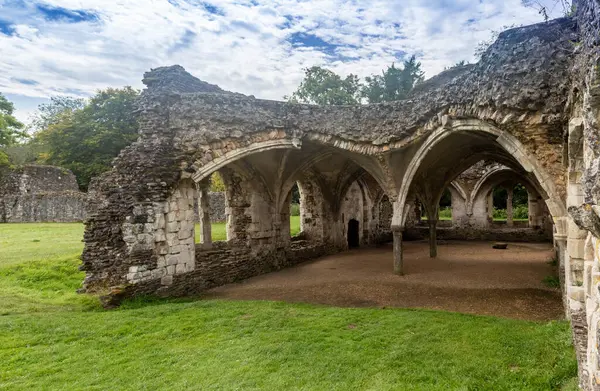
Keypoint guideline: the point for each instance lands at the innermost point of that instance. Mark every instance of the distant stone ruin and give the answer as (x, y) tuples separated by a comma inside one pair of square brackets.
[(35, 193), (531, 106)]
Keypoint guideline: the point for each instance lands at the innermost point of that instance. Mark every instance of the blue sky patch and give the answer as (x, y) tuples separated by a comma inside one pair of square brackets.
[(6, 28), (60, 14), (213, 9), (312, 41)]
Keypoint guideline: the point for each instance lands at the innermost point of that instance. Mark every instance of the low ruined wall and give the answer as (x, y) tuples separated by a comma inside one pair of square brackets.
[(222, 264), (495, 235), (40, 194), (61, 207)]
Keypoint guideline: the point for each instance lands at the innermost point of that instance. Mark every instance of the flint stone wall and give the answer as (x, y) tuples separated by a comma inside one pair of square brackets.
[(34, 193), (216, 207)]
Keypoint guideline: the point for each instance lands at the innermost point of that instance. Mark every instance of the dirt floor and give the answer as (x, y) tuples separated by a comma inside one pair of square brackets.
[(468, 277)]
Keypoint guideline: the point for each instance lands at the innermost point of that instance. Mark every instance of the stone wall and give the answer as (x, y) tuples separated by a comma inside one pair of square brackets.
[(40, 194), (216, 207)]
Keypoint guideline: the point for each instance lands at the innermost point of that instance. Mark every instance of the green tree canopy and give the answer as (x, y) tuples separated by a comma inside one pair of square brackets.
[(11, 130), (394, 83), (323, 87), (85, 139), (49, 113)]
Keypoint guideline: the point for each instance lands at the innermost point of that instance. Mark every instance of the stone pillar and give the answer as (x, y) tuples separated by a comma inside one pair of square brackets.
[(490, 208), (398, 256), (532, 212), (432, 238), (204, 212), (509, 207)]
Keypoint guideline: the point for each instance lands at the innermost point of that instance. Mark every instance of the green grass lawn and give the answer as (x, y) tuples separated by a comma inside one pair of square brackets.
[(219, 232), (53, 339)]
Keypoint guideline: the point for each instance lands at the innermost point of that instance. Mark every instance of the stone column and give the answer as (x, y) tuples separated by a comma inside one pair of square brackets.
[(432, 238), (398, 256), (533, 213), (490, 208), (509, 207), (204, 212)]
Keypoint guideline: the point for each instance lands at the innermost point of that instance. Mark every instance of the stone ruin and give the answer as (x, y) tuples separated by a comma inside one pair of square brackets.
[(530, 106), (35, 193)]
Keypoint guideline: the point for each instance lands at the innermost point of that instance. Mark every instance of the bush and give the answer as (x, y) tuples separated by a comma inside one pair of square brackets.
[(295, 209), (499, 214), (521, 212), (445, 213), (4, 160)]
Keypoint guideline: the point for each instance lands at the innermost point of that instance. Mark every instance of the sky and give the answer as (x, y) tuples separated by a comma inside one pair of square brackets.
[(256, 47)]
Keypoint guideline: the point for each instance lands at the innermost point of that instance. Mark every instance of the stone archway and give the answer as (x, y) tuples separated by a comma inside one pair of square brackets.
[(504, 140)]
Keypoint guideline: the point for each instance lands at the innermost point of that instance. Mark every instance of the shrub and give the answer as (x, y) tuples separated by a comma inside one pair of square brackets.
[(499, 214), (295, 209), (4, 161), (521, 212), (445, 213)]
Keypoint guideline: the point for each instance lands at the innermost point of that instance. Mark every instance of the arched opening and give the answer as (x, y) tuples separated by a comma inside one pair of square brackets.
[(295, 214), (520, 205), (450, 151), (353, 233), (445, 208)]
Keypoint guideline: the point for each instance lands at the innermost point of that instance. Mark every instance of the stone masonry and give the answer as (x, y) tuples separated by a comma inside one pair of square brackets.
[(35, 193)]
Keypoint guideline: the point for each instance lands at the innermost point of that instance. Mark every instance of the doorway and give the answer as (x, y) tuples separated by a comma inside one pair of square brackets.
[(353, 234)]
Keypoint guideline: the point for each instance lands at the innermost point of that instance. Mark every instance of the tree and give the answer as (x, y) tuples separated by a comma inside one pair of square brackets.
[(323, 87), (394, 83), (49, 113), (216, 182), (86, 140), (10, 128)]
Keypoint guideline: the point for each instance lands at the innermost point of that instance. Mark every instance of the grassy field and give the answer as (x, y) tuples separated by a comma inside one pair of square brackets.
[(219, 232), (54, 339)]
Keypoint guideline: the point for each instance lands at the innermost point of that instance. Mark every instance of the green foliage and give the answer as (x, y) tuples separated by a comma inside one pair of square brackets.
[(51, 113), (499, 214), (216, 182), (11, 130), (295, 194), (19, 154), (4, 160), (445, 213), (219, 230), (323, 87), (446, 199), (520, 195), (394, 83), (86, 140), (521, 212), (295, 209)]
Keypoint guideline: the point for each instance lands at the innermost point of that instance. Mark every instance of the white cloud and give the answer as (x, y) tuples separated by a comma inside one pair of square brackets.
[(244, 47)]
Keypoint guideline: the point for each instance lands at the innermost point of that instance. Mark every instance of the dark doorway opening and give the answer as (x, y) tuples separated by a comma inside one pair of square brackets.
[(353, 236)]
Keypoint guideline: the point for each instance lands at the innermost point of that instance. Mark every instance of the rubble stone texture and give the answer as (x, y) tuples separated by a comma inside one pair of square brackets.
[(32, 194), (530, 107)]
